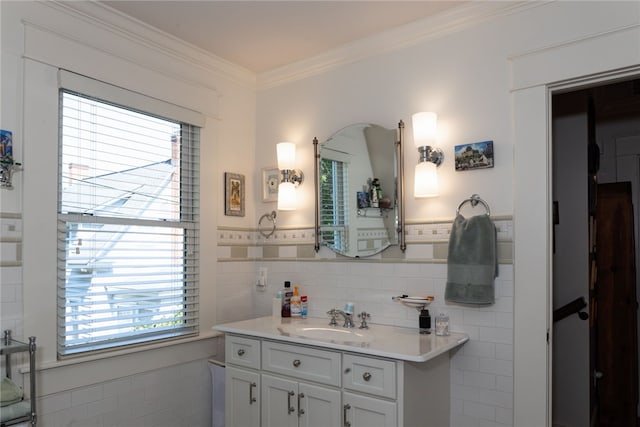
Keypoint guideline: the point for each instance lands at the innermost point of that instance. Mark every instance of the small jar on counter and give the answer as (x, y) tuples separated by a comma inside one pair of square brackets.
[(442, 325)]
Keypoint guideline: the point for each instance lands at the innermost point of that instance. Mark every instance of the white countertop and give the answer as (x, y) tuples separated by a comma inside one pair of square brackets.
[(379, 340)]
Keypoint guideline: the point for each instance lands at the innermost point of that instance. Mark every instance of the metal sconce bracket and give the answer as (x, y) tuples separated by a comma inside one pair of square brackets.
[(294, 176), (6, 171), (431, 154)]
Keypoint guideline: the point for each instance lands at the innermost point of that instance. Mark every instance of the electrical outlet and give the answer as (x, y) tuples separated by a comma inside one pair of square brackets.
[(261, 280)]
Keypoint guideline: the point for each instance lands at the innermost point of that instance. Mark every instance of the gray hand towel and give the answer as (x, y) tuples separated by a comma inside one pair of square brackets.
[(472, 264)]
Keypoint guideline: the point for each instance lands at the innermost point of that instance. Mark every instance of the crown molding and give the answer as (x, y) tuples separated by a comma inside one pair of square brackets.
[(420, 31), (148, 37)]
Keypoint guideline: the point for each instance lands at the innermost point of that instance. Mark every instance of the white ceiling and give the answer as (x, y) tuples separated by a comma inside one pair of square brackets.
[(264, 35)]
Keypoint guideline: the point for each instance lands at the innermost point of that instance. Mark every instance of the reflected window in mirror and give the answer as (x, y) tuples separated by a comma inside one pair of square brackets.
[(334, 204)]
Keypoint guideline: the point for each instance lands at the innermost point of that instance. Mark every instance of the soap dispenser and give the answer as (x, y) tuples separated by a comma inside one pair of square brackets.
[(425, 322)]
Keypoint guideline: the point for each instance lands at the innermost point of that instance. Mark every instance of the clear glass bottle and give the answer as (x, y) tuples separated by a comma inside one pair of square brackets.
[(442, 325)]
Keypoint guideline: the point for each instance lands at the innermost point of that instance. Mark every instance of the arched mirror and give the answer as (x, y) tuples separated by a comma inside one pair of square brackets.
[(359, 190)]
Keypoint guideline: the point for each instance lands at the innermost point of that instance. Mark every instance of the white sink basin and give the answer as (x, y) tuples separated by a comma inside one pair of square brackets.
[(327, 333)]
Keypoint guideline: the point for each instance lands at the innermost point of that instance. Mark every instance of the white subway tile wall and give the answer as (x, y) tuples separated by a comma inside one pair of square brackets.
[(178, 396), (11, 273), (481, 371)]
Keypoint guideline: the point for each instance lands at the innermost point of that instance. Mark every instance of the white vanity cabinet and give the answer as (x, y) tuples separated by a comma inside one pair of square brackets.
[(289, 403), (363, 376), (301, 387), (272, 383), (361, 411), (242, 381), (242, 397)]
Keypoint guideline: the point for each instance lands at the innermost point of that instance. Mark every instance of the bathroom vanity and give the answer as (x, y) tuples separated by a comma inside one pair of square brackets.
[(303, 372)]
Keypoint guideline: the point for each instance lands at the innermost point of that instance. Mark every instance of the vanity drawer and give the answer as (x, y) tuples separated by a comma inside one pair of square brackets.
[(301, 362), (241, 351), (370, 375)]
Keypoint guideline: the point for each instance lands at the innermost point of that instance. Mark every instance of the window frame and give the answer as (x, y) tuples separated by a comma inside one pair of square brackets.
[(73, 83)]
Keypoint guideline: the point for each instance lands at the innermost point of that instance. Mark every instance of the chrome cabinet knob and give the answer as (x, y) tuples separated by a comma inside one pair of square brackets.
[(297, 363), (366, 376), (241, 352)]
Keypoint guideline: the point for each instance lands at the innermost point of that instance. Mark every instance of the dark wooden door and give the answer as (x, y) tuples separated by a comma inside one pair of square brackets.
[(614, 312)]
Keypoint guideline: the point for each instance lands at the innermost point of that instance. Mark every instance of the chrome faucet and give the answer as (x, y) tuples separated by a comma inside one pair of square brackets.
[(335, 312)]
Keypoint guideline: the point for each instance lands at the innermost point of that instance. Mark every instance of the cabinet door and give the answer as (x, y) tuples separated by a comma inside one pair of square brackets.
[(319, 406), (363, 411), (280, 402), (242, 398)]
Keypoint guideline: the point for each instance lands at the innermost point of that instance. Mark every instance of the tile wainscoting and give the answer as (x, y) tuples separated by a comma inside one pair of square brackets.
[(481, 371)]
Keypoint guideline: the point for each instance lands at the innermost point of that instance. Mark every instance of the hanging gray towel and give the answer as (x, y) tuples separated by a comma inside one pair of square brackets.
[(472, 265)]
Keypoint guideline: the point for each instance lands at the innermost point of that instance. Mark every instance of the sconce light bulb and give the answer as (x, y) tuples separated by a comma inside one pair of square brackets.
[(286, 152), (286, 196), (426, 180), (425, 128)]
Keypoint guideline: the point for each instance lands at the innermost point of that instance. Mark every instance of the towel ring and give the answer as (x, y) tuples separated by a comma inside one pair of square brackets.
[(271, 217), (474, 200)]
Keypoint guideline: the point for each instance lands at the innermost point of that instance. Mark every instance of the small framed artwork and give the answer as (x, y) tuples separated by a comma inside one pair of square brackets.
[(477, 155), (270, 182), (234, 194)]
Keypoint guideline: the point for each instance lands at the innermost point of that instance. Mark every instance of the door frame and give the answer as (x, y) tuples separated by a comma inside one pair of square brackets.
[(535, 77)]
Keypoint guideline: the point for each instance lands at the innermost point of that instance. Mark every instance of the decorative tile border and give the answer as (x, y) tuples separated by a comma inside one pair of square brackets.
[(426, 242), (10, 240)]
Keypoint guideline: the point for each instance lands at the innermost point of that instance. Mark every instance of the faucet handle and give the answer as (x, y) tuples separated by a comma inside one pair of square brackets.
[(363, 319), (334, 316)]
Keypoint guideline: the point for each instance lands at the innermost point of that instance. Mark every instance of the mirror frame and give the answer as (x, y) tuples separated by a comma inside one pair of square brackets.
[(399, 147)]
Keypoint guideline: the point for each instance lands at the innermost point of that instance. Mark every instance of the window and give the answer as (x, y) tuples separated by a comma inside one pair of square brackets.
[(334, 204), (128, 239)]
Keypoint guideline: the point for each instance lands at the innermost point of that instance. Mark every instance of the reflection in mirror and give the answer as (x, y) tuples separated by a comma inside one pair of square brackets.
[(358, 212)]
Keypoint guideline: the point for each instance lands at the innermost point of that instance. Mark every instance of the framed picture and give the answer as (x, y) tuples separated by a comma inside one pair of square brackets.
[(477, 155), (234, 194), (270, 182)]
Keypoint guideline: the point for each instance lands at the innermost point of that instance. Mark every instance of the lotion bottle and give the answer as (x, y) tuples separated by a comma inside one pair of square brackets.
[(276, 305), (296, 305)]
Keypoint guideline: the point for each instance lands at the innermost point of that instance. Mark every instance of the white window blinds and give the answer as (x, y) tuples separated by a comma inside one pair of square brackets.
[(334, 204), (128, 240)]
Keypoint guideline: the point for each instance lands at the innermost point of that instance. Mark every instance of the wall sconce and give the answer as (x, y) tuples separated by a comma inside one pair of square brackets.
[(424, 135), (290, 177)]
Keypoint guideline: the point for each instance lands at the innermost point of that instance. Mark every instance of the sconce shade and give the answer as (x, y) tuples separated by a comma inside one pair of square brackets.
[(424, 128), (286, 196), (286, 152), (426, 180)]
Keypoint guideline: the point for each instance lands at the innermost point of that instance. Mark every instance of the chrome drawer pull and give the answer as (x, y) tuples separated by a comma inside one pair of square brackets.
[(297, 363), (300, 410), (241, 352), (366, 376), (290, 408), (345, 422), (251, 398)]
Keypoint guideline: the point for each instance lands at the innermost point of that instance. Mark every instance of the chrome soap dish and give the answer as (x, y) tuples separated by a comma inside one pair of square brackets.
[(419, 303)]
